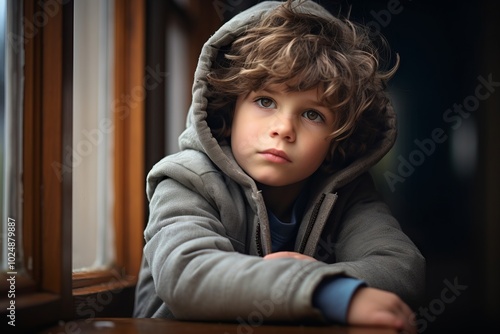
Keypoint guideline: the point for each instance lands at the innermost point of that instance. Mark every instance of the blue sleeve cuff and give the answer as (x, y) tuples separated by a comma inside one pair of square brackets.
[(333, 296)]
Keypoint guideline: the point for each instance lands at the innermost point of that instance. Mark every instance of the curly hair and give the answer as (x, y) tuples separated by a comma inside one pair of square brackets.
[(304, 51)]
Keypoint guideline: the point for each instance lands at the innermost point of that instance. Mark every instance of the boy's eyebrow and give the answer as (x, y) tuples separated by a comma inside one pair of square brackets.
[(317, 103), (269, 90)]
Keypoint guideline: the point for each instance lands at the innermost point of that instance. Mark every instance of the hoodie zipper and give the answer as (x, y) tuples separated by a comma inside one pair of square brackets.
[(306, 234), (311, 224), (258, 242)]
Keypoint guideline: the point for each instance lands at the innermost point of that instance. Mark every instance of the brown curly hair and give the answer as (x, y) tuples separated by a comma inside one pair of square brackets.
[(305, 51)]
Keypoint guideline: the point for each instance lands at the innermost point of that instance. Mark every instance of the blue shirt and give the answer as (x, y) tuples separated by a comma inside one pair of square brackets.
[(333, 294)]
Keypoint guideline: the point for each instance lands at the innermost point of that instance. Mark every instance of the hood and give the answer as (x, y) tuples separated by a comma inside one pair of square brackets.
[(197, 135)]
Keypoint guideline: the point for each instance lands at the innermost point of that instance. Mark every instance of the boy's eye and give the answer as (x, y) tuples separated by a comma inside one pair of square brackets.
[(313, 115), (265, 102)]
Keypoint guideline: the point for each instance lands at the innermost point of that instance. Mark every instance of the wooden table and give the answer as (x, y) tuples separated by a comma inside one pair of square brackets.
[(133, 326)]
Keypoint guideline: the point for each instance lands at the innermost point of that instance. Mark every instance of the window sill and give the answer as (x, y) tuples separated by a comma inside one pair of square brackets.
[(103, 294)]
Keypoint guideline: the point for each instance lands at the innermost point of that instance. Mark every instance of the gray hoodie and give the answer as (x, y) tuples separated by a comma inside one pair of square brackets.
[(208, 227)]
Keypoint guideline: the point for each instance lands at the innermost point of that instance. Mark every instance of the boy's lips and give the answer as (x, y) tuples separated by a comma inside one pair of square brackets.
[(276, 155)]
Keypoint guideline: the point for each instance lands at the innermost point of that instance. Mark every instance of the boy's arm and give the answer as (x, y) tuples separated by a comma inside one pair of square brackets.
[(348, 301), (333, 295)]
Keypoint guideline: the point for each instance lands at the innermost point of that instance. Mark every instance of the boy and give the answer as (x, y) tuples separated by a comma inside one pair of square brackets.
[(269, 204)]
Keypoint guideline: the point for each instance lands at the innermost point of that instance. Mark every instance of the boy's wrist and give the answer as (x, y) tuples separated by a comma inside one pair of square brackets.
[(333, 296)]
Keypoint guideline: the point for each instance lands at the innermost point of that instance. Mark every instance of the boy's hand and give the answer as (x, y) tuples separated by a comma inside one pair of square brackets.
[(294, 255), (374, 307)]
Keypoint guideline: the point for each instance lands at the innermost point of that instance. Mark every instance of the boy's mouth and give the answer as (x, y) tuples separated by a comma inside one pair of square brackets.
[(275, 155)]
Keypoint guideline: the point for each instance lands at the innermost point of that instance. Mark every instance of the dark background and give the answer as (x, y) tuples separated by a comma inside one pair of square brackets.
[(448, 204)]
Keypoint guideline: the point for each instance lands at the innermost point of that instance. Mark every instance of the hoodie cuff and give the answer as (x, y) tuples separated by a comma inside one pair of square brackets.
[(333, 296)]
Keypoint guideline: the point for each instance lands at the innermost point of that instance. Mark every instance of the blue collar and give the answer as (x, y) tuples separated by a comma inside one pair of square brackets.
[(283, 235)]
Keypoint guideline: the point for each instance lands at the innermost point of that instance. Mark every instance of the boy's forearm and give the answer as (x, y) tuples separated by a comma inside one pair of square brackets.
[(219, 285)]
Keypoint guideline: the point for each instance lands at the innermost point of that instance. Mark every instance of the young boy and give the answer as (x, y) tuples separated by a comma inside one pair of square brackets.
[(269, 206)]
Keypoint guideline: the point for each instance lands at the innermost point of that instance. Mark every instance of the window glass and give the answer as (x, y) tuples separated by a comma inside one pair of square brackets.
[(3, 212), (92, 151), (177, 85), (11, 97)]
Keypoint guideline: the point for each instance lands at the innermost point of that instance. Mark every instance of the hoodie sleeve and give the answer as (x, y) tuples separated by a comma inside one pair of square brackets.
[(371, 246)]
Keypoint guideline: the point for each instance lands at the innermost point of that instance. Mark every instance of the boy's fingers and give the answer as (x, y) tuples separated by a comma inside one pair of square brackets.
[(389, 319), (407, 319), (293, 255), (278, 255)]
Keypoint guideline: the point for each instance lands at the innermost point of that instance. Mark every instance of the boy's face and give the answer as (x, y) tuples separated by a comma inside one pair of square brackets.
[(281, 138)]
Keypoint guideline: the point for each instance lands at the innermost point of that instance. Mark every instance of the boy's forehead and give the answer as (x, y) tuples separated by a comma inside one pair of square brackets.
[(290, 86), (293, 87)]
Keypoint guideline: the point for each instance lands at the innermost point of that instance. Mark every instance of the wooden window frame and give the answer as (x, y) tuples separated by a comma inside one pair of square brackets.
[(48, 291), (110, 292), (43, 289), (129, 132), (117, 284)]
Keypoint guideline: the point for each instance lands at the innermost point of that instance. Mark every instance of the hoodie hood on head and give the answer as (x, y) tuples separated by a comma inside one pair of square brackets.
[(198, 136)]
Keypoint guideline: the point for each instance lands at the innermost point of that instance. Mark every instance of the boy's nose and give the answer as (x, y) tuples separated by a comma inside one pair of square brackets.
[(283, 128)]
